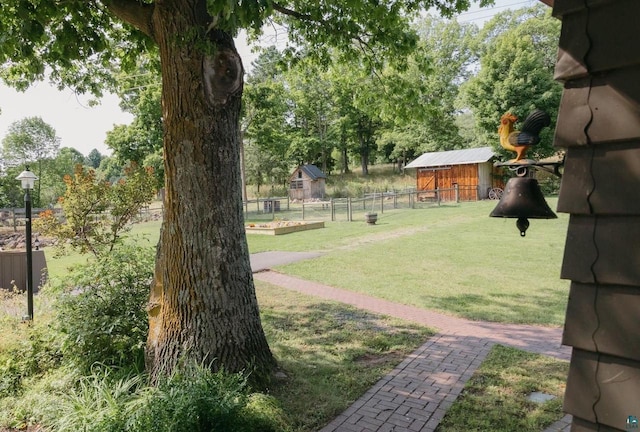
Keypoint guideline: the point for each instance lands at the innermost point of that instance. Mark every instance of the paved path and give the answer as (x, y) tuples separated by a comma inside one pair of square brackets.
[(417, 393)]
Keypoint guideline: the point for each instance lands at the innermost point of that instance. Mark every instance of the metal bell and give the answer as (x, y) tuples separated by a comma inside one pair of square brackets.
[(523, 199)]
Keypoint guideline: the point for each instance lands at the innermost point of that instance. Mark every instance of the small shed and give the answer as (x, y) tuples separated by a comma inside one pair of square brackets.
[(307, 182), (471, 170)]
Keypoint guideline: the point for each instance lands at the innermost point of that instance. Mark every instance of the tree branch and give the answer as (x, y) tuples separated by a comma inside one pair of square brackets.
[(285, 11), (133, 12)]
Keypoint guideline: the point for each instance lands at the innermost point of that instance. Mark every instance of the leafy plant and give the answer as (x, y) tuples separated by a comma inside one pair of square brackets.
[(102, 311), (39, 353), (98, 212), (196, 399)]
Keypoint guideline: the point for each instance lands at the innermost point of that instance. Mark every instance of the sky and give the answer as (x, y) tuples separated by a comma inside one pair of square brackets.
[(84, 128), (78, 125)]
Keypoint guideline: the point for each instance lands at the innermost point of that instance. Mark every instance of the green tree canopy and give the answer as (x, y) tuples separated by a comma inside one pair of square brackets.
[(93, 159), (264, 124), (516, 74), (31, 141)]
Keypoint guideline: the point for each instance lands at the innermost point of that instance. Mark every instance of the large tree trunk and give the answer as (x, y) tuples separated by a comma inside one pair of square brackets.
[(203, 305)]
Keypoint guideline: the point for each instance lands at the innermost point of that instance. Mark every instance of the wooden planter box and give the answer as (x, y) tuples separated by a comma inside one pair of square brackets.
[(277, 228)]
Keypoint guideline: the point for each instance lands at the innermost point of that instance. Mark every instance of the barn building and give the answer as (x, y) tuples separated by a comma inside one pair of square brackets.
[(307, 182), (471, 170)]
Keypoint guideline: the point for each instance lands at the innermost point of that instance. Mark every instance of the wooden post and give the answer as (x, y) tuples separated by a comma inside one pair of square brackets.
[(333, 210), (349, 212), (457, 192), (302, 209)]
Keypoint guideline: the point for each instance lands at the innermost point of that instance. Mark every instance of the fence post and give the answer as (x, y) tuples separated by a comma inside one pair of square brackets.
[(395, 199), (457, 189), (15, 222), (382, 202), (411, 200), (303, 209), (438, 195), (288, 201), (349, 213), (273, 208), (333, 210)]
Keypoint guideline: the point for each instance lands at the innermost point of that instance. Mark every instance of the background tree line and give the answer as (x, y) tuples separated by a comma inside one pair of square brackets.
[(32, 142), (340, 113)]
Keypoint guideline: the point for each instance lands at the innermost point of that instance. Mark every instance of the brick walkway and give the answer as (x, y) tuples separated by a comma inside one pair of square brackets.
[(417, 393)]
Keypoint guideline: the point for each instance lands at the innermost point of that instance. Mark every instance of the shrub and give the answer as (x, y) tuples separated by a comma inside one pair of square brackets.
[(102, 312), (97, 213), (36, 355)]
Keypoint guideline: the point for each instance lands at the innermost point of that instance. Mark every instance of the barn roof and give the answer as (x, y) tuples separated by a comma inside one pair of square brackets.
[(453, 157), (312, 171)]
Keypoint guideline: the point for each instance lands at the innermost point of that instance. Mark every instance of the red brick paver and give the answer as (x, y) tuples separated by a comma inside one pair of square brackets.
[(417, 393)]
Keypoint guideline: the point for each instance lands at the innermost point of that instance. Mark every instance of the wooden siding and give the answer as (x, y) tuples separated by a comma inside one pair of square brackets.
[(599, 125), (473, 180), (310, 188)]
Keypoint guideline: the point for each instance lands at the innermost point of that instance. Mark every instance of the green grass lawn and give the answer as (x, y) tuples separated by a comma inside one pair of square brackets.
[(496, 397), (452, 258)]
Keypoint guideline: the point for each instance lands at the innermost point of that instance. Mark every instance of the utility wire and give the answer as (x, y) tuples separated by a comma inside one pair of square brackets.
[(492, 11)]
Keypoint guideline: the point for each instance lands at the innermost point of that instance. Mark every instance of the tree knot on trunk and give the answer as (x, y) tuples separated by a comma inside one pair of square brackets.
[(222, 73)]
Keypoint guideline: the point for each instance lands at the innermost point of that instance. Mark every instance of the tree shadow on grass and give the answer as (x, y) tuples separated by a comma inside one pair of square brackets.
[(545, 309), (331, 354)]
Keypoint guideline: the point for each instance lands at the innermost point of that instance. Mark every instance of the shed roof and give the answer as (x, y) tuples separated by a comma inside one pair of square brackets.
[(452, 157), (312, 171)]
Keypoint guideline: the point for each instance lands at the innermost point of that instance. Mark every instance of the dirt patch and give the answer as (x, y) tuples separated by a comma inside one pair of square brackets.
[(392, 357), (378, 237)]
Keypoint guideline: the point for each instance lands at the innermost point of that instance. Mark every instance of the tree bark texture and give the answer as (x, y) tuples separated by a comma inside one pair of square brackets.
[(202, 305)]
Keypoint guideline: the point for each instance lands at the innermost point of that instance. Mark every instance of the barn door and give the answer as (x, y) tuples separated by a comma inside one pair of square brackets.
[(426, 180)]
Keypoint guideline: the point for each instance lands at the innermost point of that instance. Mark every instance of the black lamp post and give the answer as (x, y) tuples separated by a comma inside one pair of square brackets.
[(28, 180)]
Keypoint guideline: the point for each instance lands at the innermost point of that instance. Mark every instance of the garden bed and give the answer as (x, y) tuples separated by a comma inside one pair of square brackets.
[(282, 227)]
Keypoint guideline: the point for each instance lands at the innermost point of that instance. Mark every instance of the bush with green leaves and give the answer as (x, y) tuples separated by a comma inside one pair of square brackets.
[(102, 311), (34, 356)]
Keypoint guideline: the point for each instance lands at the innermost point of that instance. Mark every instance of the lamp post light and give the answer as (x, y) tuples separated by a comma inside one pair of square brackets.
[(28, 180)]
